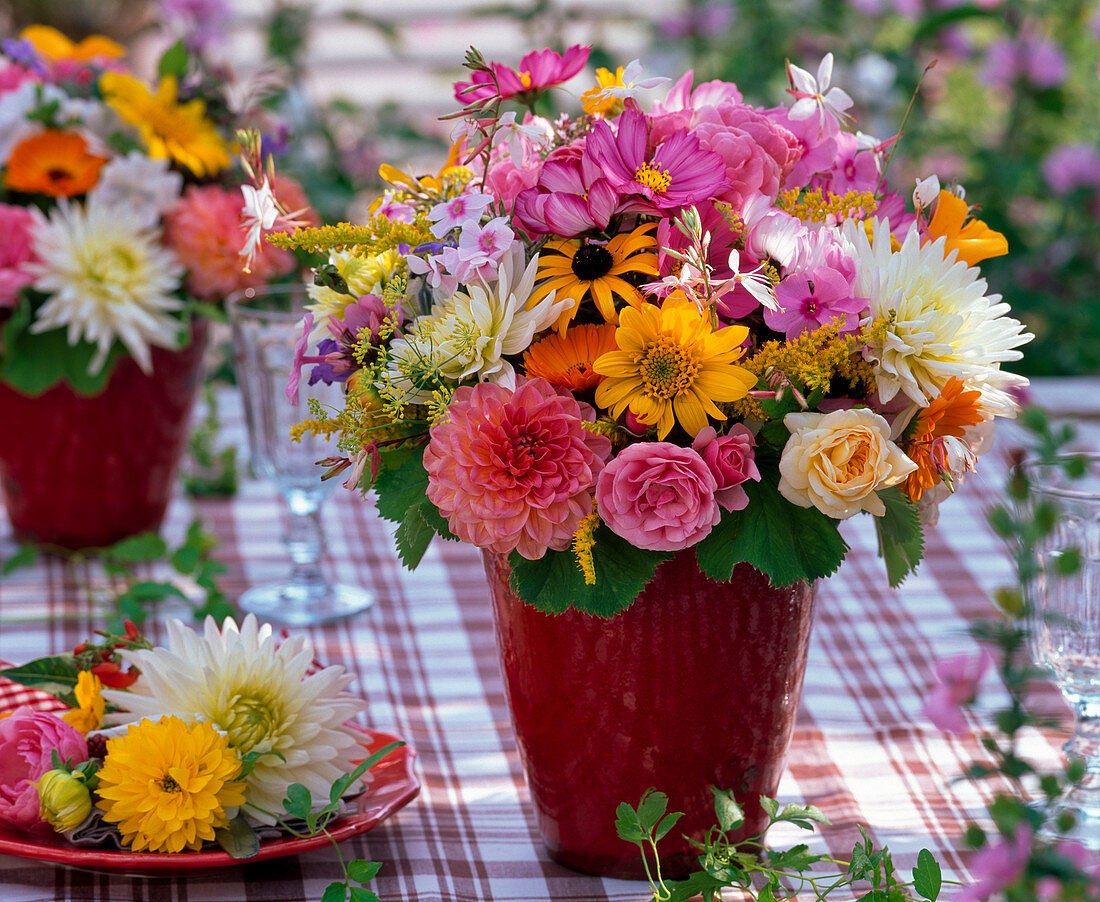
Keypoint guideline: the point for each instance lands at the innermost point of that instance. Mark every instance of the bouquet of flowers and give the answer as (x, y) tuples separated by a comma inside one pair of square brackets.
[(593, 341), (165, 749), (120, 209)]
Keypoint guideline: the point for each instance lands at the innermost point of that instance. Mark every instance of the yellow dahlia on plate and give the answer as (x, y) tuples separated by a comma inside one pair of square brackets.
[(168, 784)]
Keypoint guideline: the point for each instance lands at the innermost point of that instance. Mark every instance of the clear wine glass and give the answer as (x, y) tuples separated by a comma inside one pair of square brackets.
[(266, 324), (1065, 624)]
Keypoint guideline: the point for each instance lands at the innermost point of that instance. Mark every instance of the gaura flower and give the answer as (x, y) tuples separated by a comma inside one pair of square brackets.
[(580, 269), (28, 739), (566, 359), (514, 471), (974, 241), (537, 71), (658, 496), (167, 784), (998, 864), (52, 45), (108, 278), (64, 799), (946, 417), (177, 131), (678, 173), (52, 162), (88, 714), (256, 689), (671, 367), (837, 462), (813, 94)]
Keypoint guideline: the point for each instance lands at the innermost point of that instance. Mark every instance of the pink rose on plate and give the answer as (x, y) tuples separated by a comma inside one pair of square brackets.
[(658, 496), (27, 741), (731, 459)]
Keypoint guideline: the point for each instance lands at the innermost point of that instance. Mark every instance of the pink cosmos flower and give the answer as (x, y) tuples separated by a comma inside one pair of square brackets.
[(514, 470), (28, 739), (679, 172), (658, 496), (812, 299), (16, 250), (816, 138), (957, 685), (537, 71), (731, 460), (684, 99), (998, 865), (571, 196)]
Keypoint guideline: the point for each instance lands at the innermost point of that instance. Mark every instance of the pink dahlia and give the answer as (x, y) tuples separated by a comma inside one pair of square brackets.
[(16, 250), (28, 739), (204, 231), (658, 496), (537, 71), (514, 470)]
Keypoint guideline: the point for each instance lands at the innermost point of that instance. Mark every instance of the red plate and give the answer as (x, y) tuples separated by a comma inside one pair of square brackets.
[(394, 786)]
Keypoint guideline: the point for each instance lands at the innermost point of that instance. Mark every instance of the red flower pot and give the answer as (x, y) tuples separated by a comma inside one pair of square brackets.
[(695, 685), (83, 472)]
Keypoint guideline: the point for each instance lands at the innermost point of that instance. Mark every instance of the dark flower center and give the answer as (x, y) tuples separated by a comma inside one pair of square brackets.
[(591, 262)]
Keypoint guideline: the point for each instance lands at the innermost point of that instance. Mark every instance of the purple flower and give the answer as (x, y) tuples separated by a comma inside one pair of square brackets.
[(957, 685), (202, 22), (730, 458), (458, 212), (1072, 166), (300, 348), (812, 299), (570, 197), (998, 865), (1034, 60)]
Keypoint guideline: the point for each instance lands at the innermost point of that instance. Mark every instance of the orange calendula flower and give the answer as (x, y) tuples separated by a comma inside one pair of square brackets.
[(52, 45), (947, 415), (580, 269), (53, 162), (566, 360), (671, 367), (974, 241)]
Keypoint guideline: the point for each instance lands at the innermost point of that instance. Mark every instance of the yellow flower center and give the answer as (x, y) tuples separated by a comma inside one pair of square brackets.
[(525, 79), (653, 176), (667, 368), (251, 721)]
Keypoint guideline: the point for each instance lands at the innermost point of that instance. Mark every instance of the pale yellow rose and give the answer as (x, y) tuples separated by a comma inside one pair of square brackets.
[(837, 461)]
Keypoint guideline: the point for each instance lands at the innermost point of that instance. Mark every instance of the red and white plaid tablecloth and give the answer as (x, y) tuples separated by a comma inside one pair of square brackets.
[(425, 658)]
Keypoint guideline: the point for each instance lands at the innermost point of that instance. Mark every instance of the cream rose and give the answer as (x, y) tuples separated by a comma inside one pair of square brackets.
[(837, 461)]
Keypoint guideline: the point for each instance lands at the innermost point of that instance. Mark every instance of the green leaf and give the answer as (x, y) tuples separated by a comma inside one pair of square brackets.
[(729, 813), (555, 582), (361, 894), (770, 806), (24, 556), (796, 813), (154, 591), (402, 482), (335, 892), (340, 784), (796, 858), (56, 675), (651, 808), (628, 826), (665, 824), (173, 61), (414, 535), (142, 548), (298, 801), (238, 839), (927, 877), (900, 537), (363, 871), (784, 541)]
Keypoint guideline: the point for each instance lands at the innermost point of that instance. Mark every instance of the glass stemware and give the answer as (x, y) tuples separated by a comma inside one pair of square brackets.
[(1065, 627), (267, 322)]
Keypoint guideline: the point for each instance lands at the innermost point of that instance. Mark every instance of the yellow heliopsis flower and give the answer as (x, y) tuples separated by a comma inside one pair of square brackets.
[(52, 45), (88, 714), (168, 784), (671, 366), (580, 269), (603, 106), (171, 130), (974, 241)]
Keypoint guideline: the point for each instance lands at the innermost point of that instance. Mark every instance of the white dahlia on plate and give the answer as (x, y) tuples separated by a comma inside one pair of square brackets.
[(259, 692), (108, 277), (943, 322)]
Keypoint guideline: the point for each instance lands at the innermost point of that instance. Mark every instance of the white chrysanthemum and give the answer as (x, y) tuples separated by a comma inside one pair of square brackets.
[(145, 185), (256, 690), (943, 325), (108, 277), (468, 336)]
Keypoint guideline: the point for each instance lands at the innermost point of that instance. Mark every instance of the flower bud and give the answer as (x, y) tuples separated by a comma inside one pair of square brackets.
[(64, 798)]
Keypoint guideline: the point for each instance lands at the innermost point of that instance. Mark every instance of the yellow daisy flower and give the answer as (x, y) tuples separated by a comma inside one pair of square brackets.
[(580, 269), (605, 107), (88, 714), (170, 130), (167, 784), (672, 367)]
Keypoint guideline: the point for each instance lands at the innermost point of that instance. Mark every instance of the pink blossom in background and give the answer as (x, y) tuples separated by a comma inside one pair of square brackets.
[(957, 685), (685, 99), (514, 470), (202, 22), (998, 865), (658, 496), (1035, 60), (731, 460), (1072, 166), (12, 76), (537, 71), (708, 19), (16, 250), (28, 739)]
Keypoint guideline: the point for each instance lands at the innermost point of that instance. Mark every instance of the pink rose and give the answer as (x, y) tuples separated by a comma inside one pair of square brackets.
[(27, 741), (731, 460), (16, 250), (658, 496)]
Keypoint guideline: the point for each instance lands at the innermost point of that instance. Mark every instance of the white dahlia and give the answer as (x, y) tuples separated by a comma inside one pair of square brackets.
[(943, 324), (257, 690), (107, 277)]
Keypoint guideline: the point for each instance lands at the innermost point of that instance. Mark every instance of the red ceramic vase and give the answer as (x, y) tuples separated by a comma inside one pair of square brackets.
[(85, 471), (694, 685)]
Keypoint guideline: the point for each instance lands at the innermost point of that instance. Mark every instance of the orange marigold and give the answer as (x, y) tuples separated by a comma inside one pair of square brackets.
[(947, 415), (53, 162)]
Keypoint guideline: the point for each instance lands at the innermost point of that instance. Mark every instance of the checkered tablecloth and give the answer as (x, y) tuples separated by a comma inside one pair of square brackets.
[(425, 657)]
